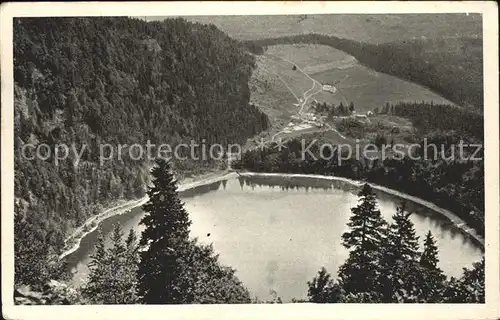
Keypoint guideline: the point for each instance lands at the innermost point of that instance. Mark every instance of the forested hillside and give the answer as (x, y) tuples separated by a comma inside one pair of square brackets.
[(86, 82), (450, 67)]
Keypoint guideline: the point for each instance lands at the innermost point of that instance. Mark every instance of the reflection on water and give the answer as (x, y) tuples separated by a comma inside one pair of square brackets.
[(277, 232), (294, 183)]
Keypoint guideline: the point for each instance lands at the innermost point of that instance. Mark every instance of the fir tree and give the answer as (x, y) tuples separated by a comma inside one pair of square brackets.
[(341, 109), (402, 237), (429, 258), (163, 241), (467, 289), (434, 277), (360, 271), (204, 280), (322, 289), (112, 278), (95, 288), (29, 248), (351, 107), (400, 273), (118, 248), (131, 245), (121, 260)]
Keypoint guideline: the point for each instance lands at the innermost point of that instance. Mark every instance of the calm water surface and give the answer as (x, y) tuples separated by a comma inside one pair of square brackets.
[(277, 232)]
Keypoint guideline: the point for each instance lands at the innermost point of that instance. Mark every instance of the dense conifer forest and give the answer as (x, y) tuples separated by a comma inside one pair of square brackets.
[(92, 81)]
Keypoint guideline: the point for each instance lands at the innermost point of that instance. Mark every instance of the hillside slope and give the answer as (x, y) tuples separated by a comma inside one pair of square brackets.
[(450, 67), (88, 82), (370, 28)]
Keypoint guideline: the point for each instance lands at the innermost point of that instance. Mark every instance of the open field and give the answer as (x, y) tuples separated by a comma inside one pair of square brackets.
[(307, 56), (368, 89), (270, 93), (297, 82), (370, 28)]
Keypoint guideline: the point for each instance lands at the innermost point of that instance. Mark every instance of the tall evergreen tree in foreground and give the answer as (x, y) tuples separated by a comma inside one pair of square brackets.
[(400, 278), (322, 288), (163, 241), (429, 258), (112, 278), (469, 288), (360, 272), (434, 276), (174, 268), (385, 265)]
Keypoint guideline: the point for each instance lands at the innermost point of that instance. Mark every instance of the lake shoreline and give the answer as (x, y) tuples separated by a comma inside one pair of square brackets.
[(190, 183), (92, 223), (453, 218)]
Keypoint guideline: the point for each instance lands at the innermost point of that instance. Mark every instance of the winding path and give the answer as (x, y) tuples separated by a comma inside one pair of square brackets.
[(306, 95)]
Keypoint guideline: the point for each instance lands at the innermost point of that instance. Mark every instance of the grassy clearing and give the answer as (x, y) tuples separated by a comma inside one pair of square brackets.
[(270, 94), (369, 89), (276, 87), (307, 55), (297, 82)]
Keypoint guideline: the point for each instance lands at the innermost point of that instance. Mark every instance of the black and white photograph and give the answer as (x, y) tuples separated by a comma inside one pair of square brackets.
[(295, 159)]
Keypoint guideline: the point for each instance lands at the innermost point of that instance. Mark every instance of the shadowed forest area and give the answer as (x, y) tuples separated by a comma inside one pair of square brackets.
[(85, 82)]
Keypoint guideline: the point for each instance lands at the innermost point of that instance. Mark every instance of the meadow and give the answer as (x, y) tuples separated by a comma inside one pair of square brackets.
[(366, 88)]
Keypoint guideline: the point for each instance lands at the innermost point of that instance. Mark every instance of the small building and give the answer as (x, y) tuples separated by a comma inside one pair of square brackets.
[(330, 88)]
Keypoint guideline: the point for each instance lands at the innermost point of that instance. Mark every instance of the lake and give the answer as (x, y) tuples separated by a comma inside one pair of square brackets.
[(277, 232)]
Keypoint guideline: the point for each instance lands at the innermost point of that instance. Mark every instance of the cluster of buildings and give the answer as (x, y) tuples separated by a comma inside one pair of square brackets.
[(362, 117), (310, 118)]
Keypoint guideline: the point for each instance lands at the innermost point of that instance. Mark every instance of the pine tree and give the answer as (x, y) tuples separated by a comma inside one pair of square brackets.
[(402, 237), (400, 273), (467, 289), (131, 244), (96, 286), (351, 107), (118, 282), (341, 109), (380, 140), (204, 280), (429, 258), (30, 253), (434, 277), (359, 273), (386, 108), (112, 278), (322, 289), (165, 237), (118, 249)]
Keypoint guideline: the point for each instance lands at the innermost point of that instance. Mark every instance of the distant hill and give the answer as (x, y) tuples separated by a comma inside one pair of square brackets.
[(370, 28), (440, 51)]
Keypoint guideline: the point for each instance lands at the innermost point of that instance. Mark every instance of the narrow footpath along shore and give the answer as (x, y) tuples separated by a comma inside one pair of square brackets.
[(92, 223)]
